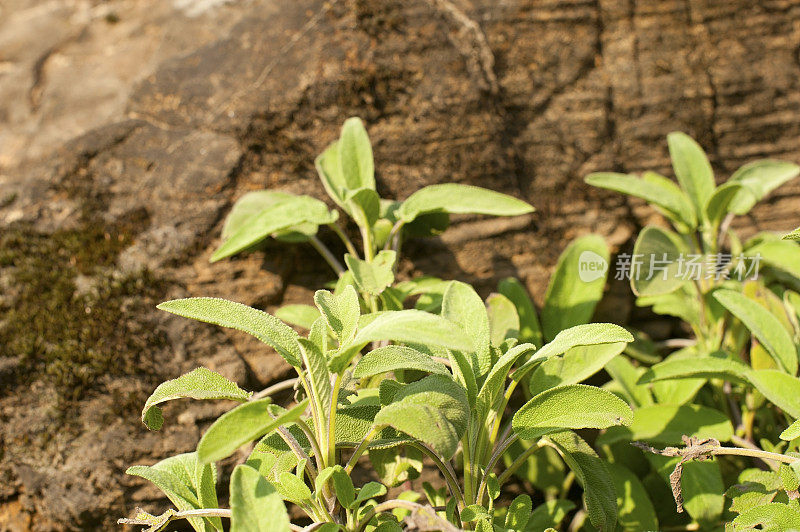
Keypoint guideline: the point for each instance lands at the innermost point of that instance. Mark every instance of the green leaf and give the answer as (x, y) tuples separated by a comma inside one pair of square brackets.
[(343, 486), (200, 383), (530, 330), (282, 216), (764, 326), (667, 423), (395, 466), (519, 512), (702, 487), (242, 425), (656, 190), (771, 516), (794, 235), (395, 357), (781, 254), (692, 169), (249, 206), (355, 156), (373, 277), (580, 335), (413, 326), (577, 365), (370, 490), (549, 515), (495, 382), (301, 315), (464, 307), (576, 286), (433, 410), (364, 207), (635, 509), (758, 179), (330, 173), (781, 389), (714, 366), (177, 476), (591, 472), (263, 326), (256, 505), (460, 199), (317, 375), (574, 406), (658, 254), (206, 487), (503, 319), (719, 204), (626, 375), (292, 488), (341, 312), (792, 432)]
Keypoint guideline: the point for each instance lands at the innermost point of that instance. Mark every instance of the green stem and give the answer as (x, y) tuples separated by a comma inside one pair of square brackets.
[(331, 439), (517, 463), (329, 257), (447, 471), (362, 447), (468, 472), (345, 239), (315, 448)]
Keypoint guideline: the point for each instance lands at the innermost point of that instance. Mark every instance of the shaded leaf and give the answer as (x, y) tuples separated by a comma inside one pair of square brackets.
[(591, 472), (341, 312), (301, 315), (667, 423), (635, 509), (503, 318), (575, 289), (659, 252), (530, 330), (781, 389)]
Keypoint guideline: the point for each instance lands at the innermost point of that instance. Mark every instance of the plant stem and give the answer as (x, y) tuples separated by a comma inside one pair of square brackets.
[(521, 459), (313, 441), (362, 447), (447, 471), (498, 452), (345, 239), (275, 388), (331, 439), (465, 451), (329, 257)]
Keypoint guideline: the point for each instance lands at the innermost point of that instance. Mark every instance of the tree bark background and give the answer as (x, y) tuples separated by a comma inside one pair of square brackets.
[(166, 112)]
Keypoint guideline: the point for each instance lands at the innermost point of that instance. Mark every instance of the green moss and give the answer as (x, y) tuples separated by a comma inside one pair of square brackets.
[(68, 320)]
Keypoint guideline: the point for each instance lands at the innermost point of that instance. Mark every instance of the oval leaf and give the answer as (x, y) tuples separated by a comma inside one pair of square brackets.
[(256, 506), (454, 198), (576, 286), (575, 406), (395, 357), (692, 169)]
